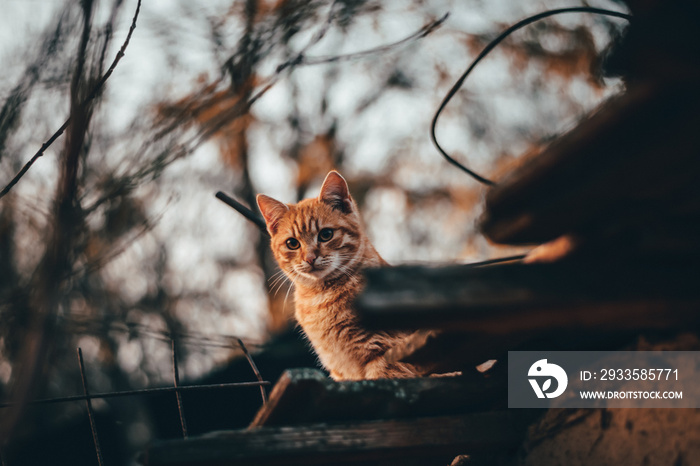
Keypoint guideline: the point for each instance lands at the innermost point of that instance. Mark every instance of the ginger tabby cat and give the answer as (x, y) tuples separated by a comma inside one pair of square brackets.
[(321, 246)]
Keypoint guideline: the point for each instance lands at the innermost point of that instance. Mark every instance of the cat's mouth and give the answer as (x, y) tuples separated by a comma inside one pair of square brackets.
[(315, 271)]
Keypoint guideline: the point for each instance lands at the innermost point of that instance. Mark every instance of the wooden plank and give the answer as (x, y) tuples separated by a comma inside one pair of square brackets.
[(308, 396), (515, 298), (629, 166), (416, 441)]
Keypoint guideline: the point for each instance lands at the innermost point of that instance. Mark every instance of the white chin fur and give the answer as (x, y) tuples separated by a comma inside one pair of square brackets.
[(317, 274), (313, 276)]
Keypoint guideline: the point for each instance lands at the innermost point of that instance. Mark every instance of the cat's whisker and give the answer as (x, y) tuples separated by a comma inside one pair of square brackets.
[(291, 285), (281, 284), (279, 279), (347, 272), (275, 287), (276, 274)]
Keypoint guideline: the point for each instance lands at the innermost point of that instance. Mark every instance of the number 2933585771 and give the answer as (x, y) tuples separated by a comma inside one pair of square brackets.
[(631, 374)]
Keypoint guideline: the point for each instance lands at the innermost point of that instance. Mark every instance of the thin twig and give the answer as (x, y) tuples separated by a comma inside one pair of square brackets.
[(39, 153), (176, 379), (314, 40), (118, 57), (243, 210), (88, 404), (263, 392), (422, 32), (94, 93)]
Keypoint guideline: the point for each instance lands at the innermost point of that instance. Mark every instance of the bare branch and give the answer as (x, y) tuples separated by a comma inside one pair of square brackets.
[(12, 108), (422, 32), (243, 210), (39, 153), (96, 91)]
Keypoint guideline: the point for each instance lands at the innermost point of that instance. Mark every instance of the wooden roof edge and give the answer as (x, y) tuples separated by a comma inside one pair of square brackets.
[(356, 441), (513, 298), (614, 153), (308, 395)]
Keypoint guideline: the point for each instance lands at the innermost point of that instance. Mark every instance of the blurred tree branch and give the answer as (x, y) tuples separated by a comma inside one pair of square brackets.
[(49, 280), (419, 34), (12, 109), (94, 93)]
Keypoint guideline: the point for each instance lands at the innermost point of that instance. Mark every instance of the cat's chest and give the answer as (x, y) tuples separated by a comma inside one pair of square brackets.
[(320, 310), (328, 322)]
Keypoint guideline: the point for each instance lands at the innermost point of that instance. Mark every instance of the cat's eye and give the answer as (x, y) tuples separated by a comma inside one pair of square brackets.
[(292, 243), (325, 235)]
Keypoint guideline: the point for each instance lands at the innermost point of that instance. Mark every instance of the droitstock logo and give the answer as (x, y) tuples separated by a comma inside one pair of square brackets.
[(543, 373)]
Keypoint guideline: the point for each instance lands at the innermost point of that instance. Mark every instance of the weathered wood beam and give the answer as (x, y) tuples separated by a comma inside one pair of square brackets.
[(422, 441), (307, 396), (517, 298), (630, 165)]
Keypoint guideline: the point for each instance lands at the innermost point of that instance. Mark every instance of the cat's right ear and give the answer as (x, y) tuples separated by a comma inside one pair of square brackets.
[(272, 210), (336, 193)]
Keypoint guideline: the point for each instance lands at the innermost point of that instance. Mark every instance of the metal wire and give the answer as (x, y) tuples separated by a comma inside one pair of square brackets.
[(88, 404), (263, 392), (491, 45), (178, 395), (145, 391)]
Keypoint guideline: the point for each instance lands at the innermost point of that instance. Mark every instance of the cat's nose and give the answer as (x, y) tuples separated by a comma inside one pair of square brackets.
[(310, 258)]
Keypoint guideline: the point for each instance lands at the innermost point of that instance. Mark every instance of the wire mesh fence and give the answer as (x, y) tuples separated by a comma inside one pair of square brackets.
[(176, 388)]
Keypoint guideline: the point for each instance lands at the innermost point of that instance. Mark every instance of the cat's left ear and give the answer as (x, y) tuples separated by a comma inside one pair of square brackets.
[(336, 193), (272, 210)]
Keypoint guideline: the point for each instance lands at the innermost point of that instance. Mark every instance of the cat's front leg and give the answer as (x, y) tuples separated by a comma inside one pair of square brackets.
[(376, 368), (381, 369)]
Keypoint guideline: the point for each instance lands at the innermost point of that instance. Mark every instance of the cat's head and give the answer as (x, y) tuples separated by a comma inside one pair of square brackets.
[(317, 239)]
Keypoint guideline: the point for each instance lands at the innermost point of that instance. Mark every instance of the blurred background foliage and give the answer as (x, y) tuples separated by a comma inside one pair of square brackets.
[(244, 97)]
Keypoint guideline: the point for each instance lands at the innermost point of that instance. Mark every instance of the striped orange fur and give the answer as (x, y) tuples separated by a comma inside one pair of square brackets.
[(321, 246)]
